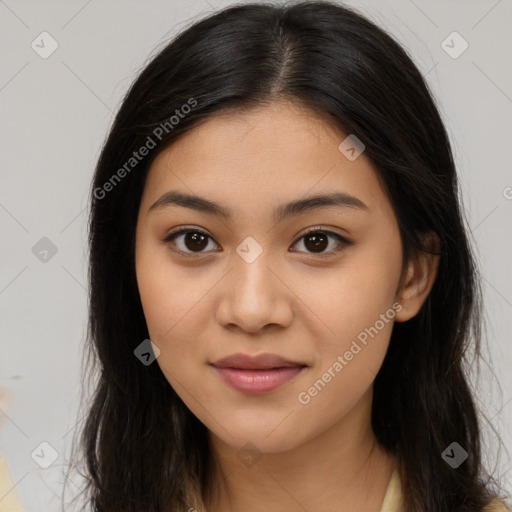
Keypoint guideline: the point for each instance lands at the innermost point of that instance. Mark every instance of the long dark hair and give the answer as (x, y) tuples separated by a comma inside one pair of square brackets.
[(143, 449)]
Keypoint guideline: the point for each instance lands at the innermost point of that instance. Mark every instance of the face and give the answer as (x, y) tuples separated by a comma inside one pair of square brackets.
[(253, 281)]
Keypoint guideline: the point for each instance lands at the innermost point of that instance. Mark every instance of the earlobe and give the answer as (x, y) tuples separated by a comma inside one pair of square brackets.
[(420, 276)]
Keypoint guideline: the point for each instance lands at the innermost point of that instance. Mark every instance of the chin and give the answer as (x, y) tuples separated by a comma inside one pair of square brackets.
[(264, 438)]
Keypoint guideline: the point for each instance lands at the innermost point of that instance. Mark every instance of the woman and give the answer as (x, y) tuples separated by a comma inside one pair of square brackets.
[(282, 288)]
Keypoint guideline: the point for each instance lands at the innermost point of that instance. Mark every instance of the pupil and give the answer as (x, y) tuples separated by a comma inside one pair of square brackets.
[(198, 241), (319, 242)]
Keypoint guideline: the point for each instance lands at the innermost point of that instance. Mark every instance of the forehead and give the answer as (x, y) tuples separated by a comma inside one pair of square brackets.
[(266, 155)]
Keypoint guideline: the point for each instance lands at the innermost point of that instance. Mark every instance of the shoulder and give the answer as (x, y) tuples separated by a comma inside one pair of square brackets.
[(393, 498), (10, 500), (496, 506)]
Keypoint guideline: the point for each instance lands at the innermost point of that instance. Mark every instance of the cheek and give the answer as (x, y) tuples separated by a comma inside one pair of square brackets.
[(349, 299), (169, 294), (171, 308), (356, 309), (169, 302)]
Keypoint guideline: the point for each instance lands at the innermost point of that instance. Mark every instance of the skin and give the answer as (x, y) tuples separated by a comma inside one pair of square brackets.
[(316, 456)]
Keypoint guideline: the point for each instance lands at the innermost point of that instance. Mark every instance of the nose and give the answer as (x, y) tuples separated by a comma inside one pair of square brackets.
[(254, 295)]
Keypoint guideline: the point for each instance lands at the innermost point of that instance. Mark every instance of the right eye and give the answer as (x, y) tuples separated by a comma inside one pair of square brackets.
[(193, 241)]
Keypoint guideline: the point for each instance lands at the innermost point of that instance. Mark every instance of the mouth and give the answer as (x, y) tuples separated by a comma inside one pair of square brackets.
[(257, 374)]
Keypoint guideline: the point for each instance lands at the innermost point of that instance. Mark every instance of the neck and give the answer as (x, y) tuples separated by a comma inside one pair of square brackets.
[(341, 469)]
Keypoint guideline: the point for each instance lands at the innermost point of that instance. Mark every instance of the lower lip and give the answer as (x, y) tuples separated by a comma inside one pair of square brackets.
[(254, 382)]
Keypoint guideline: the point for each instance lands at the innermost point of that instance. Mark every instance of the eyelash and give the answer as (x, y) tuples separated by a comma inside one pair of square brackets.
[(342, 240)]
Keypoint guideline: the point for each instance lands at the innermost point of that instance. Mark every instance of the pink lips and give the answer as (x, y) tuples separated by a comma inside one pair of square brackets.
[(257, 374)]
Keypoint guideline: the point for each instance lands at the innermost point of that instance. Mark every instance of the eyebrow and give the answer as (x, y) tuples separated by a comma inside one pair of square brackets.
[(173, 197)]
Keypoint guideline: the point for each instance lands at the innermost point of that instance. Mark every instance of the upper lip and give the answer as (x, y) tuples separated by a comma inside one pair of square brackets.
[(257, 362)]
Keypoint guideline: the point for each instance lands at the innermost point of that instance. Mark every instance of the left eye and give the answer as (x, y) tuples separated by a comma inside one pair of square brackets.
[(315, 240)]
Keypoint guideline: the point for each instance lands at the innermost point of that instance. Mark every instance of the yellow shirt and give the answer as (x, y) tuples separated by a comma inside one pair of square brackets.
[(393, 498), (9, 499)]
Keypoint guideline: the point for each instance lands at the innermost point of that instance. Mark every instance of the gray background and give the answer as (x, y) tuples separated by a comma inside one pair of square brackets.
[(55, 114)]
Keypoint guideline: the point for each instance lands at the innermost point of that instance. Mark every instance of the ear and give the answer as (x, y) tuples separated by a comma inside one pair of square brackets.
[(418, 278)]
